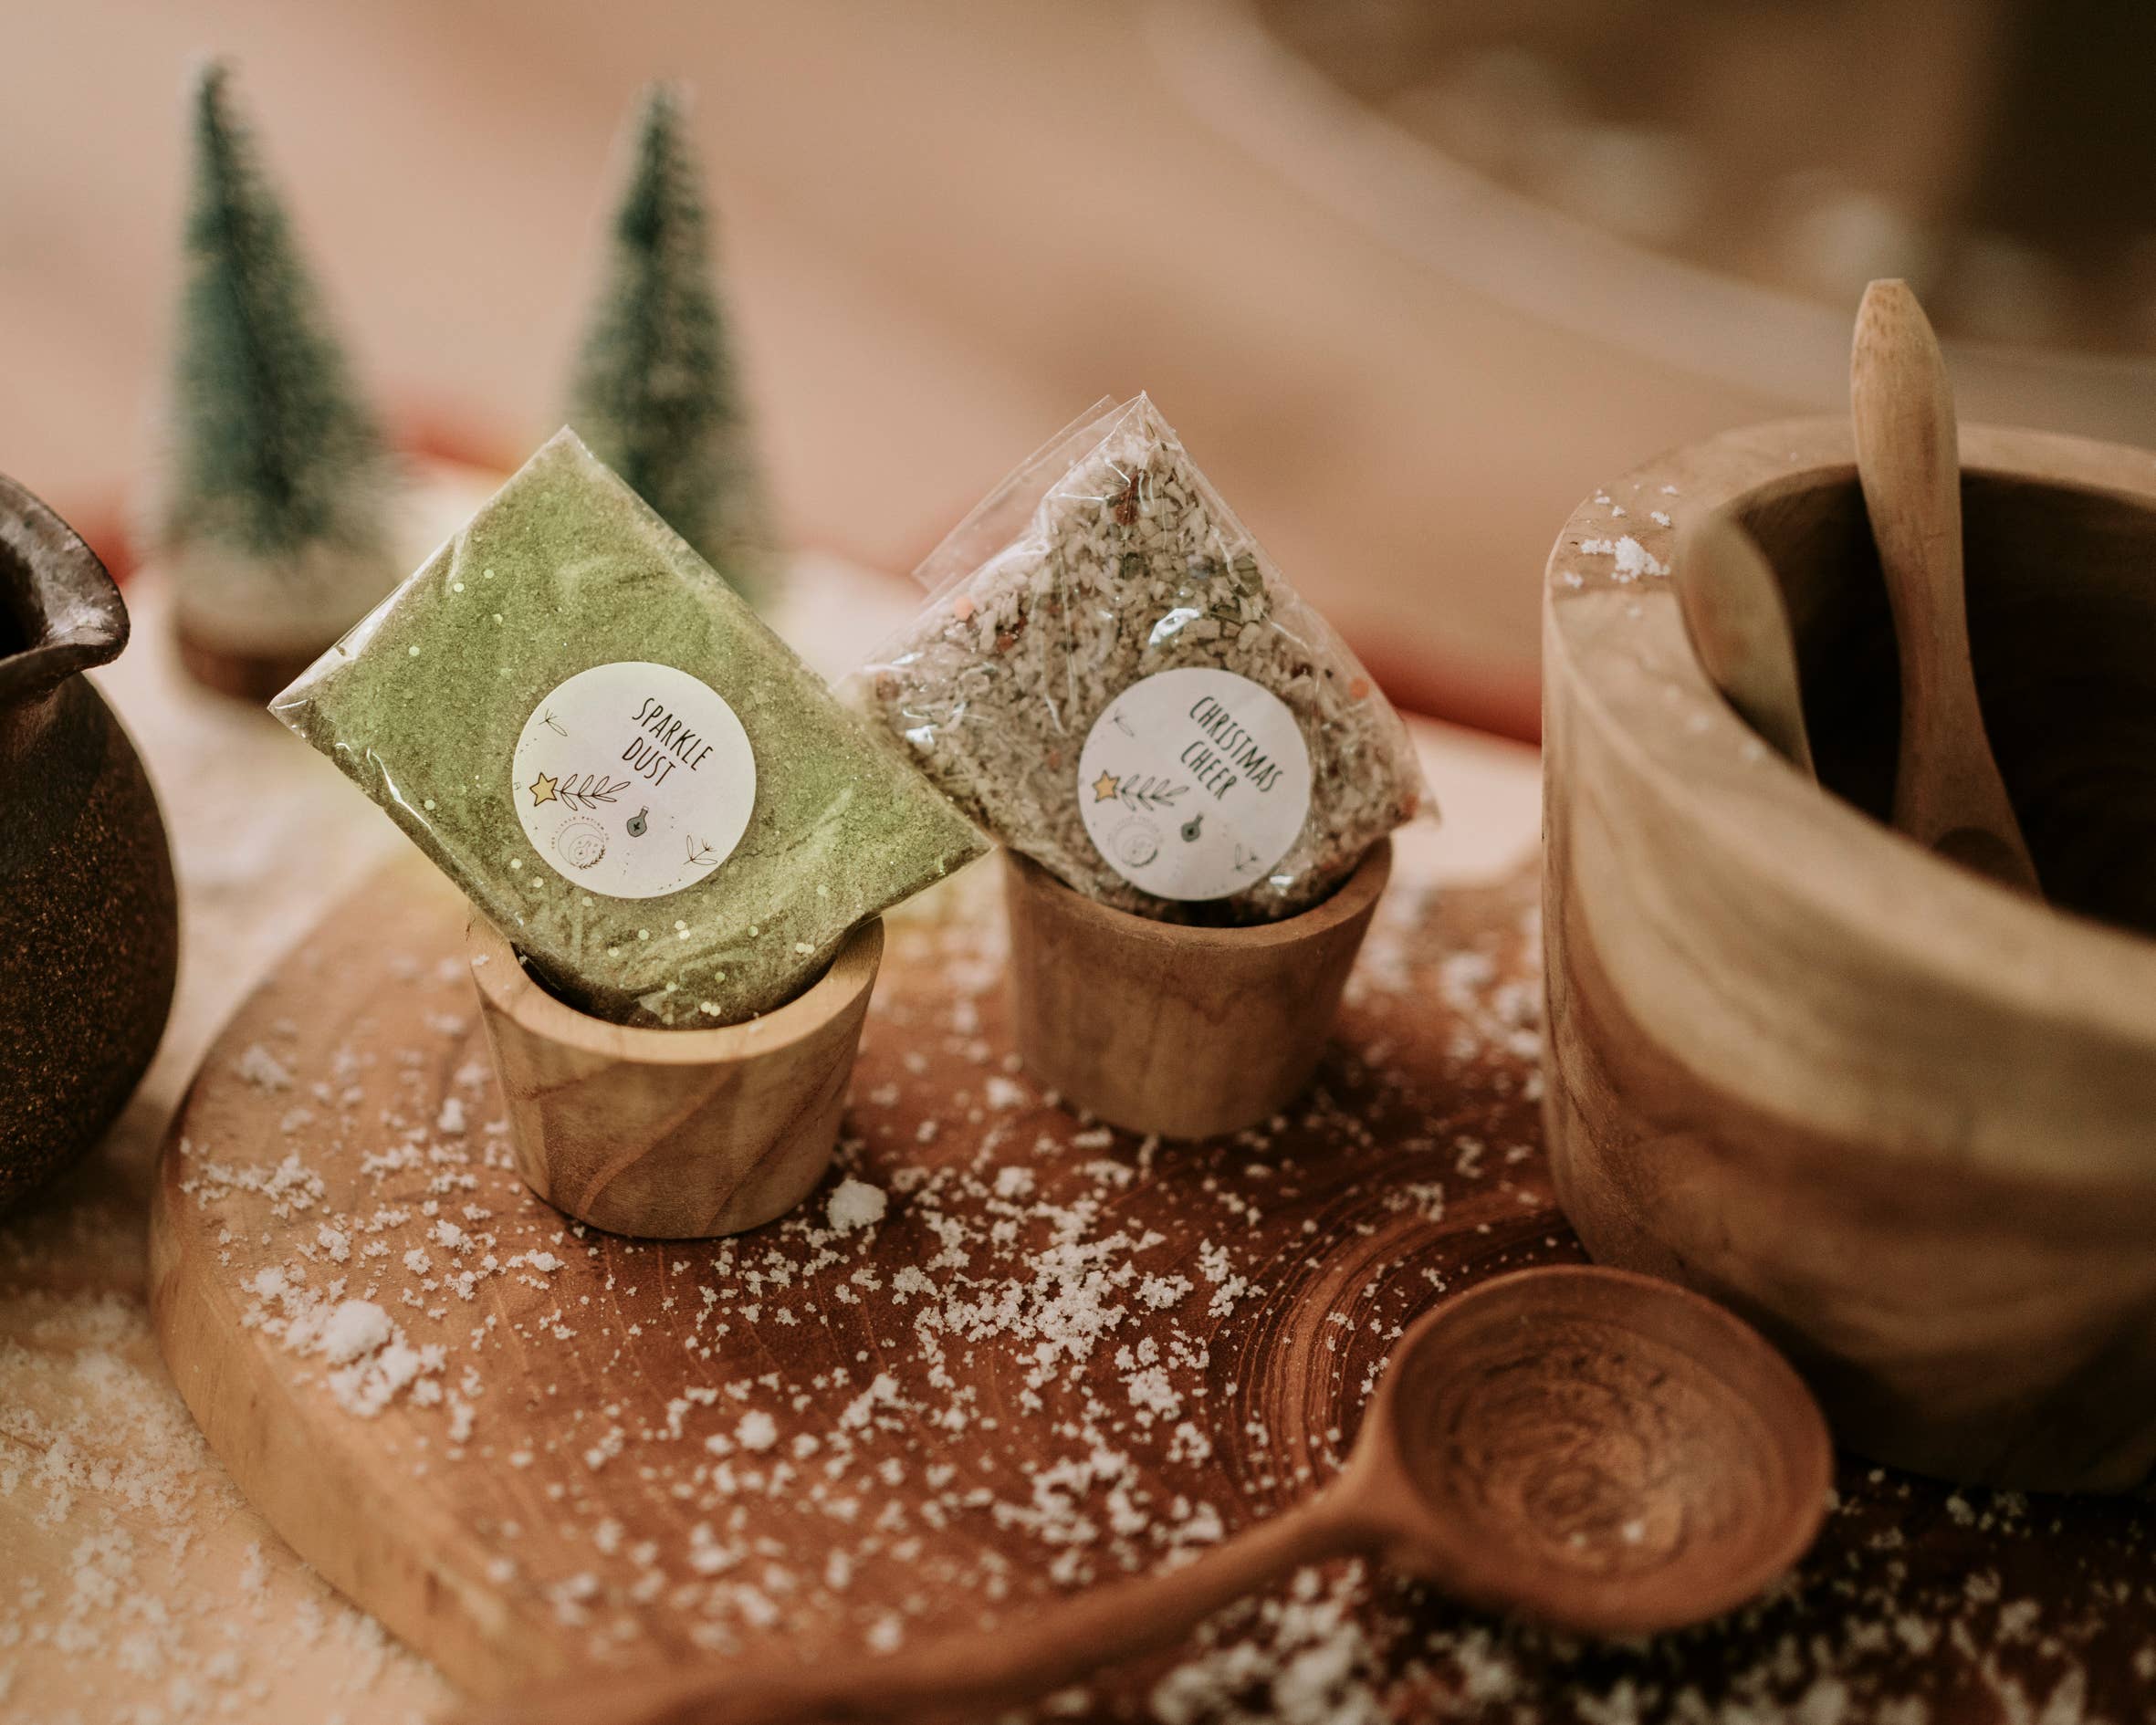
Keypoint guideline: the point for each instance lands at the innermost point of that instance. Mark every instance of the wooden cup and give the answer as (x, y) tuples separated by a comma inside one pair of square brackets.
[(1899, 1117), (1186, 1032), (673, 1135)]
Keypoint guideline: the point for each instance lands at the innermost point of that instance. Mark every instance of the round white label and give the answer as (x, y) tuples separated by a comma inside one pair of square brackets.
[(1194, 783), (633, 779)]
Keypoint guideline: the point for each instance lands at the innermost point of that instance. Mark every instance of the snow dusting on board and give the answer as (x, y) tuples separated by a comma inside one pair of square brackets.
[(1002, 1355)]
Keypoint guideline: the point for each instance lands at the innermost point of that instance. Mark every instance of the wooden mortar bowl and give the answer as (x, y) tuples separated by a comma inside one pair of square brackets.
[(1900, 1118), (1186, 1032), (673, 1135)]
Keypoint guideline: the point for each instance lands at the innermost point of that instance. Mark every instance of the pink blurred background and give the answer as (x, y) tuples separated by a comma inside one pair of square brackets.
[(1410, 280)]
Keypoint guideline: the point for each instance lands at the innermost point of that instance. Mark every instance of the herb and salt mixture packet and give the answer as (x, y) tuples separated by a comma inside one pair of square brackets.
[(671, 816), (1113, 679)]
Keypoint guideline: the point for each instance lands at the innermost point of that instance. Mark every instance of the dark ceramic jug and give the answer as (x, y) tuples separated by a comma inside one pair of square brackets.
[(88, 917)]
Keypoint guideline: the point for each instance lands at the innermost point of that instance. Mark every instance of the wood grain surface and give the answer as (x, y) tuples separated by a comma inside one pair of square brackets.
[(1060, 1356), (1737, 622), (1895, 1114), (1160, 1026), (672, 1134), (1590, 1449)]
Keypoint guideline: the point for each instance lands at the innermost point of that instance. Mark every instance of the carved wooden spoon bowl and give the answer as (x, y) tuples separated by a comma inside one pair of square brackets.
[(1590, 1449), (1593, 1449)]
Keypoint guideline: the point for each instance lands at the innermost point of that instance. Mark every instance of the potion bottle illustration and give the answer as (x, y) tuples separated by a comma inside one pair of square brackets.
[(1190, 829), (637, 824)]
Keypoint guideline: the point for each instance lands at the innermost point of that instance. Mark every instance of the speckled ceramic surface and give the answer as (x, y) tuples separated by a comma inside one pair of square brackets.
[(89, 919)]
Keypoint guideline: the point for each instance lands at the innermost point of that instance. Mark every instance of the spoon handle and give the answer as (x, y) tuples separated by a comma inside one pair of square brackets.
[(1947, 792), (1050, 1651)]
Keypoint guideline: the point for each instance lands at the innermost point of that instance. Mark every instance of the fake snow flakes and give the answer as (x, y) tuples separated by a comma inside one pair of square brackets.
[(1633, 559), (855, 1204), (356, 1327)]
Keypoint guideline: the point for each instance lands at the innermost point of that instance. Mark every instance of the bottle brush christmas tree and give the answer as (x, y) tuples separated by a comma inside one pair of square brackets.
[(273, 511), (656, 393)]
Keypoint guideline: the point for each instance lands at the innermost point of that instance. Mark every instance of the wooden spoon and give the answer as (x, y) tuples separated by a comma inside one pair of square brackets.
[(1595, 1449), (1947, 792), (1739, 627)]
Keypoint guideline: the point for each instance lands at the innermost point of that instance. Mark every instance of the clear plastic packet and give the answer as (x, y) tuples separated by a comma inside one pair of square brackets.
[(1111, 677), (674, 819)]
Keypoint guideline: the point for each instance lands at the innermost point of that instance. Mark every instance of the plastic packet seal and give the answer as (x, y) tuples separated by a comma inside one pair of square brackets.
[(1002, 515), (1111, 676)]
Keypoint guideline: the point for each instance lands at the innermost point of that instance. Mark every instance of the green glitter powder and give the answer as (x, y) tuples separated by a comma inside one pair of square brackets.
[(669, 814)]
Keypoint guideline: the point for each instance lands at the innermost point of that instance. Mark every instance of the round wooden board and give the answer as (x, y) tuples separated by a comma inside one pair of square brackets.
[(1061, 1354)]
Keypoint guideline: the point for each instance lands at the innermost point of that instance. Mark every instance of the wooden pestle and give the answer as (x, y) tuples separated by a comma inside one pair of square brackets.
[(1948, 793)]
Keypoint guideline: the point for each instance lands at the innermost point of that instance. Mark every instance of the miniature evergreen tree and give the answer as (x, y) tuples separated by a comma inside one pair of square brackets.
[(273, 512), (655, 394)]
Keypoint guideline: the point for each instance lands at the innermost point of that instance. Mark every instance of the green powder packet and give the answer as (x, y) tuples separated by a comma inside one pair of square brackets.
[(668, 813)]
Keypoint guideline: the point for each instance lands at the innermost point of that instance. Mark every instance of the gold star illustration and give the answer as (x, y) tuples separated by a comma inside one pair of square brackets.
[(542, 790), (1104, 788)]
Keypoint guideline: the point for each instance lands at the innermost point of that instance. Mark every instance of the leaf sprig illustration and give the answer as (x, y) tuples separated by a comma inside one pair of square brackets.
[(699, 853), (590, 790), (1152, 792)]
